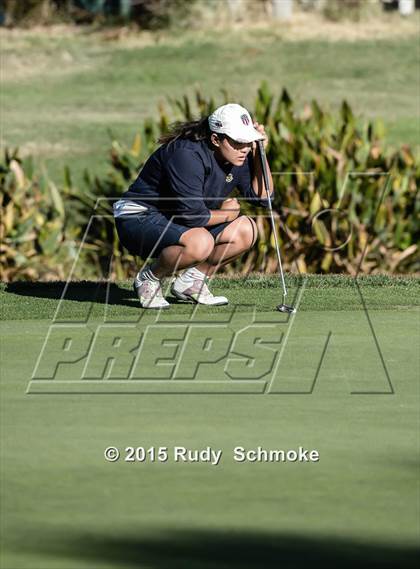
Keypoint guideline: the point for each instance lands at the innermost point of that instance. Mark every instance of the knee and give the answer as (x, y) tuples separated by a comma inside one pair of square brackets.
[(247, 231), (203, 249), (199, 244)]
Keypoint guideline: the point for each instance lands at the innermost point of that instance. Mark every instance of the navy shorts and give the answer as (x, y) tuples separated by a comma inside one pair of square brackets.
[(148, 233)]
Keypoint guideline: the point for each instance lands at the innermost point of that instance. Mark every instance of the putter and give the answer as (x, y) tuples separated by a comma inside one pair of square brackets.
[(283, 307)]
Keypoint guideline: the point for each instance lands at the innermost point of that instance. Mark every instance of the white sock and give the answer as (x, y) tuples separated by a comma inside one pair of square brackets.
[(192, 274), (146, 274)]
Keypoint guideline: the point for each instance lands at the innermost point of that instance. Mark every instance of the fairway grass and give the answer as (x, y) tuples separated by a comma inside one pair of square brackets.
[(78, 301), (345, 383), (63, 94)]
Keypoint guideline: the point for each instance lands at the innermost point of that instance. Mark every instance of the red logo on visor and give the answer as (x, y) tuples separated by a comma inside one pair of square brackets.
[(245, 119)]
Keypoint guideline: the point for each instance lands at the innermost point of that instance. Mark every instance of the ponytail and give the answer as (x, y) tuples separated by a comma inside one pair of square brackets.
[(191, 130)]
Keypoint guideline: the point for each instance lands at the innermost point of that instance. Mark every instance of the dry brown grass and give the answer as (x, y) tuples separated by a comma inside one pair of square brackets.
[(22, 57), (59, 99), (303, 26), (312, 26), (17, 67)]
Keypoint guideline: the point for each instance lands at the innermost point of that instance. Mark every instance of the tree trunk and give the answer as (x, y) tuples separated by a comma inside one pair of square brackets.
[(45, 10)]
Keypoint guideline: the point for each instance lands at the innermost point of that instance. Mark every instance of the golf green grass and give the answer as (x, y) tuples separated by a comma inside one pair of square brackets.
[(344, 382)]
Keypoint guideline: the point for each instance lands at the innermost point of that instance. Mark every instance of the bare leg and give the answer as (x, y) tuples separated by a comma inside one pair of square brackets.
[(238, 237), (195, 246)]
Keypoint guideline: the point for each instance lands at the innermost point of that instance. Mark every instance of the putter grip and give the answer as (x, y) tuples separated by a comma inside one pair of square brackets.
[(264, 169)]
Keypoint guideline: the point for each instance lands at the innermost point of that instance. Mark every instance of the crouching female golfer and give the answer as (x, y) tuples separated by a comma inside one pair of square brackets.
[(177, 212)]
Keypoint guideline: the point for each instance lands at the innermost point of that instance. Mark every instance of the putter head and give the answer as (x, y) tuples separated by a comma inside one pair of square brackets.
[(286, 309)]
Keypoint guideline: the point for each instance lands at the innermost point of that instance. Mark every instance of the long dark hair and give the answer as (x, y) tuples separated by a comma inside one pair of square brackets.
[(191, 130)]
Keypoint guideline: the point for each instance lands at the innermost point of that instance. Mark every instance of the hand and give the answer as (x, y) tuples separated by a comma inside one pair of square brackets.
[(261, 129), (232, 208)]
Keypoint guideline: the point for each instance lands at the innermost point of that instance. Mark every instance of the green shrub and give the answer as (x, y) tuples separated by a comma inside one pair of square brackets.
[(321, 161), (35, 240), (324, 161)]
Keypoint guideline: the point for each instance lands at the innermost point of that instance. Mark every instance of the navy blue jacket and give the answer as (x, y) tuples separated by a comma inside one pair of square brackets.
[(183, 178)]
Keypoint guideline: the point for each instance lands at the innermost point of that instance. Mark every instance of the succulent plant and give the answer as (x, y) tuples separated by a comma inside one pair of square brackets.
[(343, 202)]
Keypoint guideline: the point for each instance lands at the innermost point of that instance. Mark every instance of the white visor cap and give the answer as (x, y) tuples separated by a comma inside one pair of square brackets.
[(235, 121)]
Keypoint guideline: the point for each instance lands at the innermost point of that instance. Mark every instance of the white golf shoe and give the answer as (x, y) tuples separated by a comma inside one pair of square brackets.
[(149, 290), (192, 286)]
